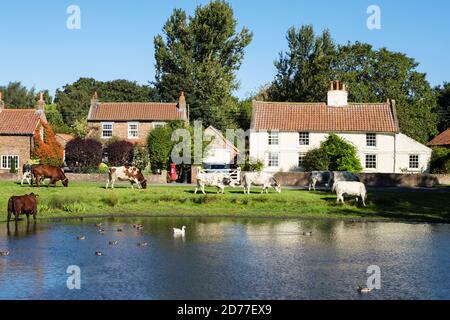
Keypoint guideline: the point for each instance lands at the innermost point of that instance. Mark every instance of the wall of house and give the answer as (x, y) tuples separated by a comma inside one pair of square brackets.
[(120, 130), (387, 145), (15, 146)]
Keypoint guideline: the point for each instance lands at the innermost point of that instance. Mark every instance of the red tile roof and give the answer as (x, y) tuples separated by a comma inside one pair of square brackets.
[(318, 117), (135, 111), (19, 121), (442, 139)]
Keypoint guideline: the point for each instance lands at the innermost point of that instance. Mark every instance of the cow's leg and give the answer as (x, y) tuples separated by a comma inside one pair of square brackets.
[(196, 188), (203, 188), (107, 183), (363, 199), (9, 215), (113, 180)]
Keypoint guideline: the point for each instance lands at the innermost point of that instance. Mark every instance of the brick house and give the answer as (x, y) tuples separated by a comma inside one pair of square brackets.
[(17, 128), (441, 140), (283, 132), (132, 121)]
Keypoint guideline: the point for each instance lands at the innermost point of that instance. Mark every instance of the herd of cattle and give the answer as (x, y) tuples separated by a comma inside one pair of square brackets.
[(340, 182)]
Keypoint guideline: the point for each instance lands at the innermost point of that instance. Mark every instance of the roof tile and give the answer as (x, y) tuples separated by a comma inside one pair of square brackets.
[(19, 121), (442, 139), (135, 111)]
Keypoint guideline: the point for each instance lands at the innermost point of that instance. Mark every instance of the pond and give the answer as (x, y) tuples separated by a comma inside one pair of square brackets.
[(222, 258)]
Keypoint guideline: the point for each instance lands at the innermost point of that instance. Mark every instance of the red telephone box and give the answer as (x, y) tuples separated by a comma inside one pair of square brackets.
[(173, 172)]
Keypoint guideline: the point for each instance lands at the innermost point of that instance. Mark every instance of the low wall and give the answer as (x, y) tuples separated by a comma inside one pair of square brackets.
[(373, 179)]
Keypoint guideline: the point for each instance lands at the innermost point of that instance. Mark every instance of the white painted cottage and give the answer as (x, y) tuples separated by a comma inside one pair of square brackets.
[(220, 152), (282, 132)]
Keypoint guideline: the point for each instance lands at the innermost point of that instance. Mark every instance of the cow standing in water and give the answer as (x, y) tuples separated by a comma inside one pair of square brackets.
[(26, 204), (126, 173), (43, 171)]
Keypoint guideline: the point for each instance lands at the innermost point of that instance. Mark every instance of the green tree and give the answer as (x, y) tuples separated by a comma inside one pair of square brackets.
[(316, 160), (200, 55), (440, 160), (443, 106), (371, 76), (55, 118), (17, 96), (304, 71), (74, 99), (159, 147), (342, 155)]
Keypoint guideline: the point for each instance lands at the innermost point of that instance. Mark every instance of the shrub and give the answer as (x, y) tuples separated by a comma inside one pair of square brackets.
[(160, 147), (13, 166), (440, 160), (316, 160), (47, 149), (103, 168), (141, 158), (251, 165), (342, 155), (83, 154), (80, 128), (120, 153)]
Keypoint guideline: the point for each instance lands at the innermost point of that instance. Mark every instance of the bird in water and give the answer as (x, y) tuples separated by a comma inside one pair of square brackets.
[(101, 231), (142, 244), (119, 230), (81, 238), (363, 289), (4, 253), (98, 225), (114, 242), (98, 253), (307, 233), (179, 232)]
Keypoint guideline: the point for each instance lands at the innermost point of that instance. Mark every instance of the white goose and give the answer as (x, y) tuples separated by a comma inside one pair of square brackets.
[(179, 232)]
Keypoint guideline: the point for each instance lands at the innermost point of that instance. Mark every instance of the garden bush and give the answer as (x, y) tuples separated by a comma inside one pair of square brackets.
[(83, 155), (440, 160), (316, 160), (46, 148), (120, 153), (141, 158)]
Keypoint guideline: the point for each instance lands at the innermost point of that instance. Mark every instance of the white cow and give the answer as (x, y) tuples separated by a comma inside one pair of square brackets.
[(263, 179), (336, 176), (350, 188), (126, 173), (218, 180)]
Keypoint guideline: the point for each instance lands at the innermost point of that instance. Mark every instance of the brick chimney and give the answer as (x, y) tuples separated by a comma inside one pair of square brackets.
[(337, 96), (182, 106), (41, 103), (2, 104)]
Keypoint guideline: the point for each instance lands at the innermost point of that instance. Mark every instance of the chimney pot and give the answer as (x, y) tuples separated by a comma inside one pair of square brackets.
[(331, 85), (337, 97), (344, 87), (2, 104), (337, 85), (41, 103)]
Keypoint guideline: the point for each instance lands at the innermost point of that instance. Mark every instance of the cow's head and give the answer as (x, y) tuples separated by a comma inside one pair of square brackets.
[(144, 184), (65, 182), (229, 182), (276, 185)]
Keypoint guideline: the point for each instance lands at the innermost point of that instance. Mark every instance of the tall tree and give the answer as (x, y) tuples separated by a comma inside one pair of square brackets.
[(74, 99), (200, 55), (305, 69), (443, 106), (17, 96), (371, 76)]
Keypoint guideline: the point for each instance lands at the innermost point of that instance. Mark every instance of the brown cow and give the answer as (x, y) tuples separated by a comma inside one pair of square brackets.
[(126, 173), (44, 171), (26, 204)]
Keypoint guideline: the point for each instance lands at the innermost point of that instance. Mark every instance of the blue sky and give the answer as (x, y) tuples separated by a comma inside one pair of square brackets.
[(116, 37)]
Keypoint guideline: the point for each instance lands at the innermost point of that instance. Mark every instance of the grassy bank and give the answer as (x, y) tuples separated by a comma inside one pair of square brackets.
[(91, 199)]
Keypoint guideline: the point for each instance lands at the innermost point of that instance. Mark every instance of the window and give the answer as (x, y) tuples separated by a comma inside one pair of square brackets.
[(273, 160), (107, 130), (158, 124), (371, 140), (303, 138), (301, 157), (133, 130), (273, 138), (7, 160), (414, 161), (371, 161)]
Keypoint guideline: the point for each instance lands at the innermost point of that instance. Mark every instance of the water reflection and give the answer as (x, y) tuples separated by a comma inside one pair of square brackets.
[(224, 259)]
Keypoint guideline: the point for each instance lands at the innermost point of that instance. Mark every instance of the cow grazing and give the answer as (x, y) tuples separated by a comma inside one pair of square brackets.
[(350, 188), (263, 179), (26, 204), (126, 173), (218, 180), (319, 177), (43, 171)]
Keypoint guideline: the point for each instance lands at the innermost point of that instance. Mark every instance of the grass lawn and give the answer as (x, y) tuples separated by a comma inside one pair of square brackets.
[(91, 199)]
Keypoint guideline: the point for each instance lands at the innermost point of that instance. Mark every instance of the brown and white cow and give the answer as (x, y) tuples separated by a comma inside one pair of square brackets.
[(43, 171), (126, 173), (26, 204)]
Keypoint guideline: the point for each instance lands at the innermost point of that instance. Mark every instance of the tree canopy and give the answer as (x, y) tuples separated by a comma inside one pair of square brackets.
[(199, 55), (443, 106), (17, 96), (371, 75)]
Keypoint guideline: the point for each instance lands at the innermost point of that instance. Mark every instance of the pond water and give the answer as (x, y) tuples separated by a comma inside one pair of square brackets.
[(224, 259)]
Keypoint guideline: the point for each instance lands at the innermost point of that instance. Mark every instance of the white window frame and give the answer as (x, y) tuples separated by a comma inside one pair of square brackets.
[(371, 138), (271, 159), (8, 161), (301, 155), (418, 162), (130, 135), (158, 124), (365, 161), (103, 129), (273, 138), (303, 138)]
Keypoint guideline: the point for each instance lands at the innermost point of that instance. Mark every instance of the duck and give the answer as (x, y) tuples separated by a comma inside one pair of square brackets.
[(98, 253), (179, 232), (138, 226), (363, 289), (142, 244), (81, 238), (113, 242), (4, 253), (309, 233), (119, 230), (98, 225)]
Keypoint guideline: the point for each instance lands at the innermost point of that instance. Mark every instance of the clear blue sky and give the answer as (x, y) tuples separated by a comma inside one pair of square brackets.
[(116, 37)]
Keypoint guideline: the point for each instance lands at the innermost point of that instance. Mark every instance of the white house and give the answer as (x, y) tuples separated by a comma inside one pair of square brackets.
[(282, 132), (220, 152)]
